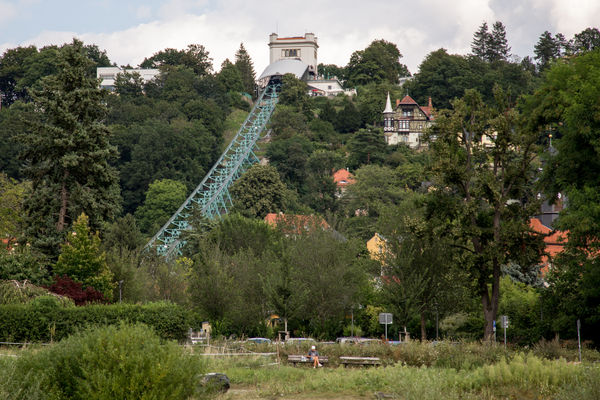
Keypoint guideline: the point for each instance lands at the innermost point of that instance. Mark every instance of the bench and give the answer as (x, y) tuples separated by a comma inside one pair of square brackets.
[(362, 361), (301, 359)]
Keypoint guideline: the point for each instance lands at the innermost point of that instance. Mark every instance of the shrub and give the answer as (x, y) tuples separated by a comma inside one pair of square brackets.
[(111, 362), (66, 286), (15, 292), (40, 321)]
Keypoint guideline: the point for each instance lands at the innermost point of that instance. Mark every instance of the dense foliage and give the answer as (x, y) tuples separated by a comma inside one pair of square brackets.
[(452, 216)]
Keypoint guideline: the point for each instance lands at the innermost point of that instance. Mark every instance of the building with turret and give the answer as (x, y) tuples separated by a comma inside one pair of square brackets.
[(406, 122)]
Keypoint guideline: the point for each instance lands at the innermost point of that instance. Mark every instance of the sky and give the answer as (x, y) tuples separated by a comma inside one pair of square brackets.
[(130, 30)]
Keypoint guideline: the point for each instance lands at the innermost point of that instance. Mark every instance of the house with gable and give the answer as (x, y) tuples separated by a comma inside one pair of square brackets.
[(406, 122), (343, 178)]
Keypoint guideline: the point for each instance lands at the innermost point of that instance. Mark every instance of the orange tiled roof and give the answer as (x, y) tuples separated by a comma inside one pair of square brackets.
[(292, 38), (343, 177), (555, 240), (296, 223)]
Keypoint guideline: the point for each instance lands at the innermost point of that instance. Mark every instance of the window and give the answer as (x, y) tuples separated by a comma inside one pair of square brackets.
[(407, 113), (403, 125), (290, 53)]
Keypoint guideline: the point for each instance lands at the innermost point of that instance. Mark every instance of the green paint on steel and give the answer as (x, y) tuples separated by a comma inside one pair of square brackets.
[(212, 194)]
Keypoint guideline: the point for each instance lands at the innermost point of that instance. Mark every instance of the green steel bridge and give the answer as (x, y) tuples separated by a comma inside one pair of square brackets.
[(211, 197)]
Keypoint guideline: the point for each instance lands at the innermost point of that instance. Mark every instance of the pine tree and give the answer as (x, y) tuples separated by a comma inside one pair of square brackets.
[(67, 154), (546, 50), (497, 48), (82, 260), (246, 67), (481, 39)]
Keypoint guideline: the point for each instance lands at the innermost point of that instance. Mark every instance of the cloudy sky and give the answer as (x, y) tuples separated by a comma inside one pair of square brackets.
[(130, 30)]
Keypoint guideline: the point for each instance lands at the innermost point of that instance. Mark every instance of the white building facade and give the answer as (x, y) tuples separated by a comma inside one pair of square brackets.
[(303, 48), (109, 74)]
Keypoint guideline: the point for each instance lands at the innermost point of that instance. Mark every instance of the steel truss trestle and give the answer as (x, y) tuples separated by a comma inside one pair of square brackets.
[(212, 196)]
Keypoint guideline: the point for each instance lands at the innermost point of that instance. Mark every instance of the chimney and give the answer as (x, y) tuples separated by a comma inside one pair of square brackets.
[(397, 102), (430, 105)]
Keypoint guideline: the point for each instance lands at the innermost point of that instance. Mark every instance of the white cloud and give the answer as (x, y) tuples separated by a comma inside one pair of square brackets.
[(342, 27), (570, 18)]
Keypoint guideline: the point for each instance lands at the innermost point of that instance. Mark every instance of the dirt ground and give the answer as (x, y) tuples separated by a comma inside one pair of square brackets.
[(250, 393)]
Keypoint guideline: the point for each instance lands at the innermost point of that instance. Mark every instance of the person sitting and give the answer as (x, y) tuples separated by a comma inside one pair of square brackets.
[(313, 354)]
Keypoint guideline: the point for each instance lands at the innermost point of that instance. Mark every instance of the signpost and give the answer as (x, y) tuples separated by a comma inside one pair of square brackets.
[(385, 319)]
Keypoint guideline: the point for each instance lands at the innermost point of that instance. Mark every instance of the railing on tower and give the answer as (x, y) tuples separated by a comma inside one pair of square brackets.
[(211, 196)]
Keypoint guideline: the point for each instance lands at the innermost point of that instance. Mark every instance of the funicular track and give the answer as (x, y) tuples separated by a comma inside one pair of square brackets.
[(211, 197)]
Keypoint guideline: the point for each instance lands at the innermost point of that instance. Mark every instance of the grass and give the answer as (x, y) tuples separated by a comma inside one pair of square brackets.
[(233, 122), (523, 377), (413, 371)]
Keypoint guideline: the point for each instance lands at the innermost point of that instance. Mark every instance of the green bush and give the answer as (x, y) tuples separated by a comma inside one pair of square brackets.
[(44, 320), (110, 362)]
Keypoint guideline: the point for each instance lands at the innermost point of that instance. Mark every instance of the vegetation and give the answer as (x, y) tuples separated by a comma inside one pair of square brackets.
[(121, 361), (99, 172)]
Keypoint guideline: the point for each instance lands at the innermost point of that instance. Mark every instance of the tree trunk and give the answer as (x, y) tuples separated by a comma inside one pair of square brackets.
[(64, 199), (423, 332), (490, 303)]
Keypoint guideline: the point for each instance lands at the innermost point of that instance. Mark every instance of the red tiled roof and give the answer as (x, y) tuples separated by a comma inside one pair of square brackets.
[(291, 38), (426, 110), (343, 177), (408, 100)]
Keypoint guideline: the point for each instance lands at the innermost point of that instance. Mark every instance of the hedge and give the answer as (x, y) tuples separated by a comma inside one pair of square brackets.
[(43, 321)]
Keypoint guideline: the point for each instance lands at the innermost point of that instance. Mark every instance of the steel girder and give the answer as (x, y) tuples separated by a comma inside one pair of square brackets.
[(212, 196)]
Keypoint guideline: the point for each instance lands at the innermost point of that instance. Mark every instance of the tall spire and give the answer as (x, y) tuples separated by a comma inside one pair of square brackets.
[(388, 105)]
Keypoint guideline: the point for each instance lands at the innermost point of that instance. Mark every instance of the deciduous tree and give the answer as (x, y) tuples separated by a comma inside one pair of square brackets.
[(484, 190)]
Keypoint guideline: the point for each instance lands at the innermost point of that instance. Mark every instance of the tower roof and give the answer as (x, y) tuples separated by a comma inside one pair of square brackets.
[(388, 105)]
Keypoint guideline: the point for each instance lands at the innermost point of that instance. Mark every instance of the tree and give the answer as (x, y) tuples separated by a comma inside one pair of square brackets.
[(330, 71), (320, 188), (379, 62), (12, 195), (258, 192), (195, 57), (244, 64), (348, 119), (498, 48), (230, 77), (289, 157), (548, 49), (586, 40), (481, 41), (418, 270), (566, 106), (129, 84), (68, 156), (82, 259), (163, 198), (367, 146), (485, 192), (294, 92)]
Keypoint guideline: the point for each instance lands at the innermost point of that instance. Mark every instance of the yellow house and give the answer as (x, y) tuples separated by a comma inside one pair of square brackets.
[(377, 246)]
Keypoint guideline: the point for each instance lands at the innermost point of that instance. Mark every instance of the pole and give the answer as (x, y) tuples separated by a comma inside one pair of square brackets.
[(352, 329), (386, 331), (504, 324), (579, 337), (437, 325)]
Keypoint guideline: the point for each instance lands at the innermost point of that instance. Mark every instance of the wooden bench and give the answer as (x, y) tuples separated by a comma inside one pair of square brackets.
[(361, 361), (301, 359)]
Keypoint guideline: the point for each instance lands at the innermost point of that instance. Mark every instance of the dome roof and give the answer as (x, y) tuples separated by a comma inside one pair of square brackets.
[(282, 67)]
